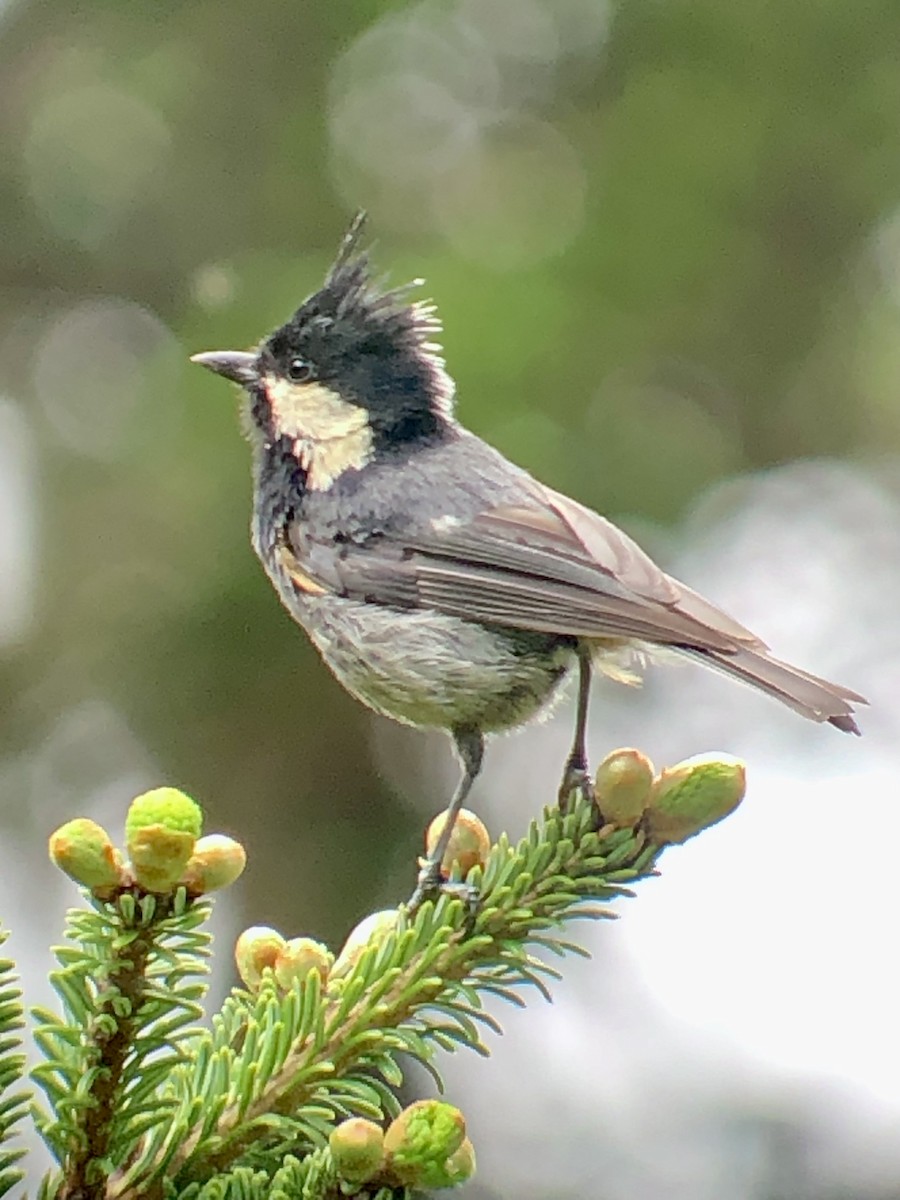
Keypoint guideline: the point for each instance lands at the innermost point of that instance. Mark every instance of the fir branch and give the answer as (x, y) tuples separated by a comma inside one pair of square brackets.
[(270, 1103), (128, 985), (420, 988), (13, 1105)]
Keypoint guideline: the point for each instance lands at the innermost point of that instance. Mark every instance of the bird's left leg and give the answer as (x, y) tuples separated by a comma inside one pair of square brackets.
[(576, 776), (470, 749)]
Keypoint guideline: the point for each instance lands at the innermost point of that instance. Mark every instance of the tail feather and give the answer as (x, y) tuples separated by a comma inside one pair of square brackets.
[(804, 693)]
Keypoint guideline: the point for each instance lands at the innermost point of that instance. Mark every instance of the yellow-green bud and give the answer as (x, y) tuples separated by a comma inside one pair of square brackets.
[(216, 862), (160, 831), (357, 1148), (84, 850), (256, 949), (693, 795), (622, 787), (371, 931), (297, 957), (469, 845), (166, 806), (419, 1142), (159, 856)]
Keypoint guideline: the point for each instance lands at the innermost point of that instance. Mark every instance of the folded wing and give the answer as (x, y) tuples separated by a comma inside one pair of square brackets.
[(554, 566)]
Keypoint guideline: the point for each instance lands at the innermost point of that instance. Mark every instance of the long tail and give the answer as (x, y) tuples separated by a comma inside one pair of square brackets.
[(804, 693)]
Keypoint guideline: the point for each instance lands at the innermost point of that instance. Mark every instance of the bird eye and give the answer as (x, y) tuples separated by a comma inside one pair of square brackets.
[(299, 370)]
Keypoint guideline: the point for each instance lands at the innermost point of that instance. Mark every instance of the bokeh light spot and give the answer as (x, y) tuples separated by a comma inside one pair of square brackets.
[(89, 154), (518, 198), (18, 536), (523, 42), (102, 375), (426, 42), (214, 285), (405, 126), (434, 118)]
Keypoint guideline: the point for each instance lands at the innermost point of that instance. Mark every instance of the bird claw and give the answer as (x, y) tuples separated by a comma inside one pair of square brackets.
[(431, 884), (428, 886), (576, 779)]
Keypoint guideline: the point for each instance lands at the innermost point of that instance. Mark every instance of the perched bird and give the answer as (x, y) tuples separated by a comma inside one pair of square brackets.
[(443, 585)]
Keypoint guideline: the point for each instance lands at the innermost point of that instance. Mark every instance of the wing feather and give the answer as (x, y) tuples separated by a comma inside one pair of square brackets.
[(552, 566)]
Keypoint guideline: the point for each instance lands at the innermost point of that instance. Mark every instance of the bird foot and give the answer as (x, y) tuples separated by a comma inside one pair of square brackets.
[(431, 884), (576, 779), (428, 885)]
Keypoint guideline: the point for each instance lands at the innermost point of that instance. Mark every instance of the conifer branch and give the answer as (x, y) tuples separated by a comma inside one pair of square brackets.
[(292, 1092), (13, 1104), (117, 1036), (420, 966)]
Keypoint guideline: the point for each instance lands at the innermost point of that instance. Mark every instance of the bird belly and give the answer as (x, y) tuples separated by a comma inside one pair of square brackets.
[(425, 668)]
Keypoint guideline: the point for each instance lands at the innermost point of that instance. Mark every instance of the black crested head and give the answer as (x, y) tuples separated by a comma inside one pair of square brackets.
[(371, 346)]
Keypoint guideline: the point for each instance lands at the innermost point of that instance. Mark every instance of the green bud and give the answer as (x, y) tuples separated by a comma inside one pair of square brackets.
[(357, 1148), (622, 787), (84, 850), (215, 863), (160, 831), (419, 1142), (159, 856), (166, 806), (469, 845), (297, 957), (693, 795), (371, 931), (256, 949)]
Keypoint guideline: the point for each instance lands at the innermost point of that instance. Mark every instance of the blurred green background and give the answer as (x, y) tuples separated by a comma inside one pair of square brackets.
[(663, 239)]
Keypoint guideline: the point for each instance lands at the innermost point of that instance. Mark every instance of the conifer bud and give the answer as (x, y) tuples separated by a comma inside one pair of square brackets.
[(297, 957), (160, 831), (622, 787), (216, 862), (257, 948), (357, 1149), (469, 845), (693, 795), (420, 1141), (166, 806), (371, 931), (84, 851)]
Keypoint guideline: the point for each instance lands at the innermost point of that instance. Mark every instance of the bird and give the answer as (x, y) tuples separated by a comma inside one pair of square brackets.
[(443, 585)]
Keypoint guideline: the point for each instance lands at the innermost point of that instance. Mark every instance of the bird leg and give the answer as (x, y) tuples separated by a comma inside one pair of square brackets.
[(469, 745), (576, 777)]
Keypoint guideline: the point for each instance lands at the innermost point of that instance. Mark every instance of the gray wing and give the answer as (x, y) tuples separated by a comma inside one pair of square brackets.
[(552, 566)]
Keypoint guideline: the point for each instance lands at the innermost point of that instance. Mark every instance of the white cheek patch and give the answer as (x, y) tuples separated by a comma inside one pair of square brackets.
[(330, 435), (311, 410)]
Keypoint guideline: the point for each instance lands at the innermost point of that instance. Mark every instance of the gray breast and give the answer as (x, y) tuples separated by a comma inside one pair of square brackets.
[(425, 668)]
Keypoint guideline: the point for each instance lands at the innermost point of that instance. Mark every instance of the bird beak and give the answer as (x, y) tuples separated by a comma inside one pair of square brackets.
[(236, 365)]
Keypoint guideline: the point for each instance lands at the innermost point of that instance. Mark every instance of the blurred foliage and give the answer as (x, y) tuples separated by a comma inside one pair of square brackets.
[(664, 255)]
